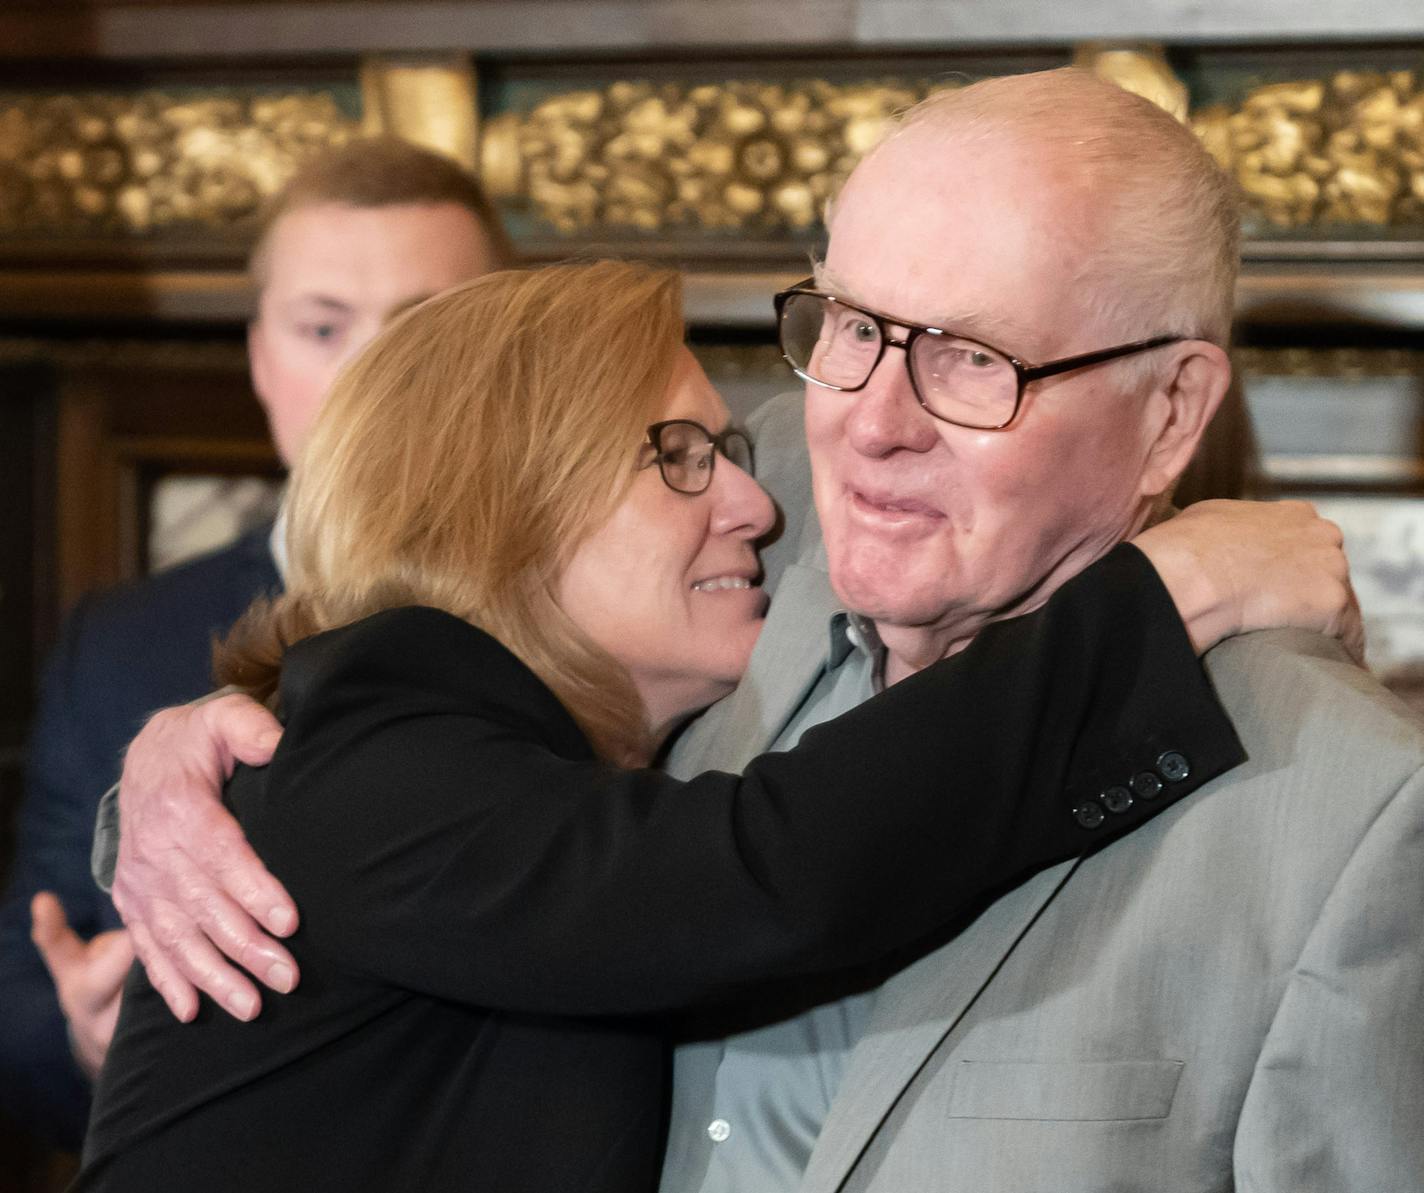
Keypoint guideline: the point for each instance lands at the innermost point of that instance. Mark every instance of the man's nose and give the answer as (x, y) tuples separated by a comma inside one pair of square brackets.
[(741, 506), (886, 415)]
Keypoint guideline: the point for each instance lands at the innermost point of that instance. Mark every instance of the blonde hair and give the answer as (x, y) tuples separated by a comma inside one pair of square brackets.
[(1167, 250), (381, 172), (462, 458)]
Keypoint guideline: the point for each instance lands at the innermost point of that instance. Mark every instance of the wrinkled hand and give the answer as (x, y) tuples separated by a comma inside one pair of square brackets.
[(188, 886), (1233, 566), (88, 976)]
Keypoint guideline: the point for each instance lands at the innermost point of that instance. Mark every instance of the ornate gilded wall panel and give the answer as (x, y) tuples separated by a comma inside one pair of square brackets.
[(1343, 150), (673, 159), (670, 157), (122, 164), (1335, 154)]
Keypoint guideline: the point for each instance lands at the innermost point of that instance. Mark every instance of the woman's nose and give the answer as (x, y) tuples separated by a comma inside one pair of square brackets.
[(742, 506)]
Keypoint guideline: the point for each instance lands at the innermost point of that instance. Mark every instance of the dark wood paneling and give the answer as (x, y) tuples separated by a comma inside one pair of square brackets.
[(26, 565), (124, 421)]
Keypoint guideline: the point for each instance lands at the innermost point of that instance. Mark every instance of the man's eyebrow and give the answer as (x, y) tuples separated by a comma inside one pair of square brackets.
[(402, 307), (334, 305), (998, 332), (974, 324)]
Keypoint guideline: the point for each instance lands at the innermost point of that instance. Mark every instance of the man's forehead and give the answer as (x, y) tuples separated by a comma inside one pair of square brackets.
[(971, 236), (324, 251), (303, 285), (343, 257)]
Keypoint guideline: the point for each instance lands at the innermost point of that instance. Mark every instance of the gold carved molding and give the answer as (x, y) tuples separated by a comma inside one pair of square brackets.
[(666, 157), (764, 157), (106, 164), (1344, 150)]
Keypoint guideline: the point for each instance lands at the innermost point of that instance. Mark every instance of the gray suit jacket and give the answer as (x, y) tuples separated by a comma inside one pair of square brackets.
[(1229, 998)]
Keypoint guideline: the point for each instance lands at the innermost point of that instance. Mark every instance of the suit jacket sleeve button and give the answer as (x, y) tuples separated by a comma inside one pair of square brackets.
[(1146, 785), (1089, 814), (1173, 766), (1116, 799)]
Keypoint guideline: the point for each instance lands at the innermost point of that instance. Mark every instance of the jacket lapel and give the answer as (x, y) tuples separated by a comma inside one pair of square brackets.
[(914, 1012), (787, 661)]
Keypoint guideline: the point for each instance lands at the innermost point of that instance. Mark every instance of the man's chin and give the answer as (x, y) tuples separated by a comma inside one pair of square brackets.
[(876, 597)]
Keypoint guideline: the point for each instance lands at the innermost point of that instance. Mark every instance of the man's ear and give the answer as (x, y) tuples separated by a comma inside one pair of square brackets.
[(1189, 394)]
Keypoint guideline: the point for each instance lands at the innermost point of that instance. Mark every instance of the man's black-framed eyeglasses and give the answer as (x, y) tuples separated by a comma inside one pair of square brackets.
[(837, 345), (686, 453)]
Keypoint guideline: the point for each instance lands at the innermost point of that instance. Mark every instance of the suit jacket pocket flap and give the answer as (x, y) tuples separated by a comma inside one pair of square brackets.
[(1064, 1090)]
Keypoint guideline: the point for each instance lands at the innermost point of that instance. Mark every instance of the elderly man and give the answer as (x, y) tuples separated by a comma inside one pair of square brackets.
[(1231, 998), (359, 234), (1012, 349)]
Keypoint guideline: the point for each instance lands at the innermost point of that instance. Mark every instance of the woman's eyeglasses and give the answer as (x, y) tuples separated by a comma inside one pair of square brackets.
[(686, 453)]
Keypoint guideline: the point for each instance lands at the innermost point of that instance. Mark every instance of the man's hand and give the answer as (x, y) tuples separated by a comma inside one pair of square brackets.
[(1233, 566), (89, 977), (188, 885)]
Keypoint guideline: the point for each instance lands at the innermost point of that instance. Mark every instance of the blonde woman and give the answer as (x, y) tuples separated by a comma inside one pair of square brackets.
[(522, 551)]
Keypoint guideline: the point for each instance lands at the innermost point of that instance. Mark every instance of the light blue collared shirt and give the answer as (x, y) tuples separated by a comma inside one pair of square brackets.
[(746, 1111)]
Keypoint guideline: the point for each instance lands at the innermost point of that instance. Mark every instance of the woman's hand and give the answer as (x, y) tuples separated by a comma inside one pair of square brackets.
[(1234, 566), (190, 889)]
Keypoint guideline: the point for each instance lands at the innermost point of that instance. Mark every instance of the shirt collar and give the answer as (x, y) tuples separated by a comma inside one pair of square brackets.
[(852, 632)]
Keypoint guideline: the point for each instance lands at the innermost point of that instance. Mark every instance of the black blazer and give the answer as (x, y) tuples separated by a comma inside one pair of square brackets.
[(123, 654), (493, 920)]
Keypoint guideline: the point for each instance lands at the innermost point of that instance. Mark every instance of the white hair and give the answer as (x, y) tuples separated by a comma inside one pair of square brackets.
[(1163, 259)]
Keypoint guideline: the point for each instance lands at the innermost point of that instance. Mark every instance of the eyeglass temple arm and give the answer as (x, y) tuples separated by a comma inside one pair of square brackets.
[(1052, 369)]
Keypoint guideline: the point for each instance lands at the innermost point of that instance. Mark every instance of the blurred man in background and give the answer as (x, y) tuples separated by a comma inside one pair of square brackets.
[(359, 235)]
